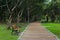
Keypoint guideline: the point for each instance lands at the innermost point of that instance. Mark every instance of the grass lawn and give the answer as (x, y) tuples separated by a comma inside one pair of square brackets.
[(6, 34), (53, 27)]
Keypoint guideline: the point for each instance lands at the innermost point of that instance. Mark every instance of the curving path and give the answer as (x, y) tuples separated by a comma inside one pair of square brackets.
[(36, 32)]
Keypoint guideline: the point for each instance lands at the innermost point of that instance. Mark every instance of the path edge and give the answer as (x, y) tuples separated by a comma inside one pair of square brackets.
[(20, 36), (52, 33)]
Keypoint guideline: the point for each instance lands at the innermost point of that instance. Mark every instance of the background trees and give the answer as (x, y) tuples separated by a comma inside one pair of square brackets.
[(28, 10)]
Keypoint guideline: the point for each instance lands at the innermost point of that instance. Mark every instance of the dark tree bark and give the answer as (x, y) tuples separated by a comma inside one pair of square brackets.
[(53, 18)]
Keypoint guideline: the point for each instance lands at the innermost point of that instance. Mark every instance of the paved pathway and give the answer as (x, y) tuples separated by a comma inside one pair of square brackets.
[(36, 32)]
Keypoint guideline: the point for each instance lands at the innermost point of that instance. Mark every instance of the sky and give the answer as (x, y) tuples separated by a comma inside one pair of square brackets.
[(47, 1)]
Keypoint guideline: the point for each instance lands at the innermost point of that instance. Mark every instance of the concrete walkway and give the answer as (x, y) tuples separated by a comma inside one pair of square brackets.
[(36, 32)]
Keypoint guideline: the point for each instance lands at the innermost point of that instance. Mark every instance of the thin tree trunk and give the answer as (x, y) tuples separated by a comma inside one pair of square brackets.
[(19, 15), (28, 14), (17, 4), (10, 17)]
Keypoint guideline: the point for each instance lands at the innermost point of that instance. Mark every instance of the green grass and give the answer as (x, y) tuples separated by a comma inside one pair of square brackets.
[(53, 27), (6, 34)]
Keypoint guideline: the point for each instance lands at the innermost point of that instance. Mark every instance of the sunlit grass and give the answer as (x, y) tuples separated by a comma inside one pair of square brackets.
[(53, 27), (6, 34)]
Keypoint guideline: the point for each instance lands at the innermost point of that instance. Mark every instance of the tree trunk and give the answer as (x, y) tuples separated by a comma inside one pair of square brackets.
[(19, 15)]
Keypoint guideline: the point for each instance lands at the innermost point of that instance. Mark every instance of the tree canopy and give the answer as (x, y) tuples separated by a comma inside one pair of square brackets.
[(24, 10)]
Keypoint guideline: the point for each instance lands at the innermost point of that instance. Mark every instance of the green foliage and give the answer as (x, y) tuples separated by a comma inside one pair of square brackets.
[(33, 6), (36, 7)]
